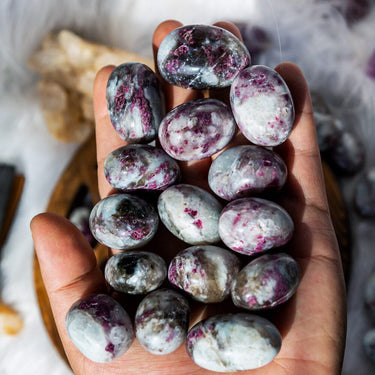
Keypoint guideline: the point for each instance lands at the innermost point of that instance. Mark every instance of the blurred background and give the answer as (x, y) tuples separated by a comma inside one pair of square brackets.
[(49, 55)]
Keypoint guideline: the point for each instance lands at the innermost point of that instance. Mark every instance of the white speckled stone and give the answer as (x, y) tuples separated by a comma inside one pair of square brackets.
[(99, 327), (190, 213), (161, 321), (266, 282), (204, 272), (254, 225), (197, 129), (262, 105), (233, 342)]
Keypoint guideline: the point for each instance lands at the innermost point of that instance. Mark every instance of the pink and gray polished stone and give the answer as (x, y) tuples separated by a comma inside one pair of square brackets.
[(266, 282), (135, 102), (253, 225), (197, 129), (140, 167), (201, 57), (99, 327), (246, 170), (190, 213), (262, 105), (123, 221), (204, 272), (161, 321), (233, 342)]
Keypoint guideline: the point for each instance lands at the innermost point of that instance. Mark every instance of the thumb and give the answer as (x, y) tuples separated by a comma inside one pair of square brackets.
[(68, 267)]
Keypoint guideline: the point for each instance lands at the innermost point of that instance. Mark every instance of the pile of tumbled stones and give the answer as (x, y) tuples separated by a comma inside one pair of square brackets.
[(196, 57)]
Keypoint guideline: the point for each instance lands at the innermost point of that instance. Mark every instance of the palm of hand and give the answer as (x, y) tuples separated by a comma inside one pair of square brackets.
[(312, 324)]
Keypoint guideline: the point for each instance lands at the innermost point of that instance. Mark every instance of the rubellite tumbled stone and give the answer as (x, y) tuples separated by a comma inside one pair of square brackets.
[(190, 213), (204, 272), (161, 321), (201, 57), (266, 282), (197, 129), (246, 170), (140, 167), (233, 342), (135, 103), (253, 225), (123, 221), (262, 105), (99, 327), (135, 272)]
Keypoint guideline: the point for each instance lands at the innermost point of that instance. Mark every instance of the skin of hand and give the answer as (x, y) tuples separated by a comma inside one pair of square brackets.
[(312, 323)]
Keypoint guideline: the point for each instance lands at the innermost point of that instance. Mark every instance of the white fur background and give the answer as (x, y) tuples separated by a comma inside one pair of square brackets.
[(314, 35)]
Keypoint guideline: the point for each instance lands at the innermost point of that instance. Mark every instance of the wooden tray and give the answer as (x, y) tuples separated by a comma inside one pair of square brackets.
[(82, 171)]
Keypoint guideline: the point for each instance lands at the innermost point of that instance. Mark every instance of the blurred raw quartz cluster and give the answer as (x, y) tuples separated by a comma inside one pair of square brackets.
[(67, 65)]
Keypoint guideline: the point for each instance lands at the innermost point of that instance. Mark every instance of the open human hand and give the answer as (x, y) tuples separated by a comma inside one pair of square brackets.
[(312, 323)]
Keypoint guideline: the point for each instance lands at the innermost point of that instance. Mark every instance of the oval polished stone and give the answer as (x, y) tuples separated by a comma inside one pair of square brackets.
[(369, 344), (369, 295), (140, 167), (161, 321), (233, 342), (201, 57), (123, 221), (364, 193), (135, 272), (262, 105), (246, 170), (134, 102), (197, 129), (204, 272), (99, 327), (266, 282), (347, 156), (253, 225), (190, 213)]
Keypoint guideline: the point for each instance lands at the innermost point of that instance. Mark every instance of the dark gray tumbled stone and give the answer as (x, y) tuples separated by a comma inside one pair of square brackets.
[(140, 167), (262, 105), (123, 221), (190, 213), (135, 272), (201, 57), (266, 282), (134, 102), (197, 129), (254, 225), (369, 344), (347, 155), (364, 193), (233, 342), (204, 272), (99, 327), (161, 321), (246, 170), (369, 295)]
